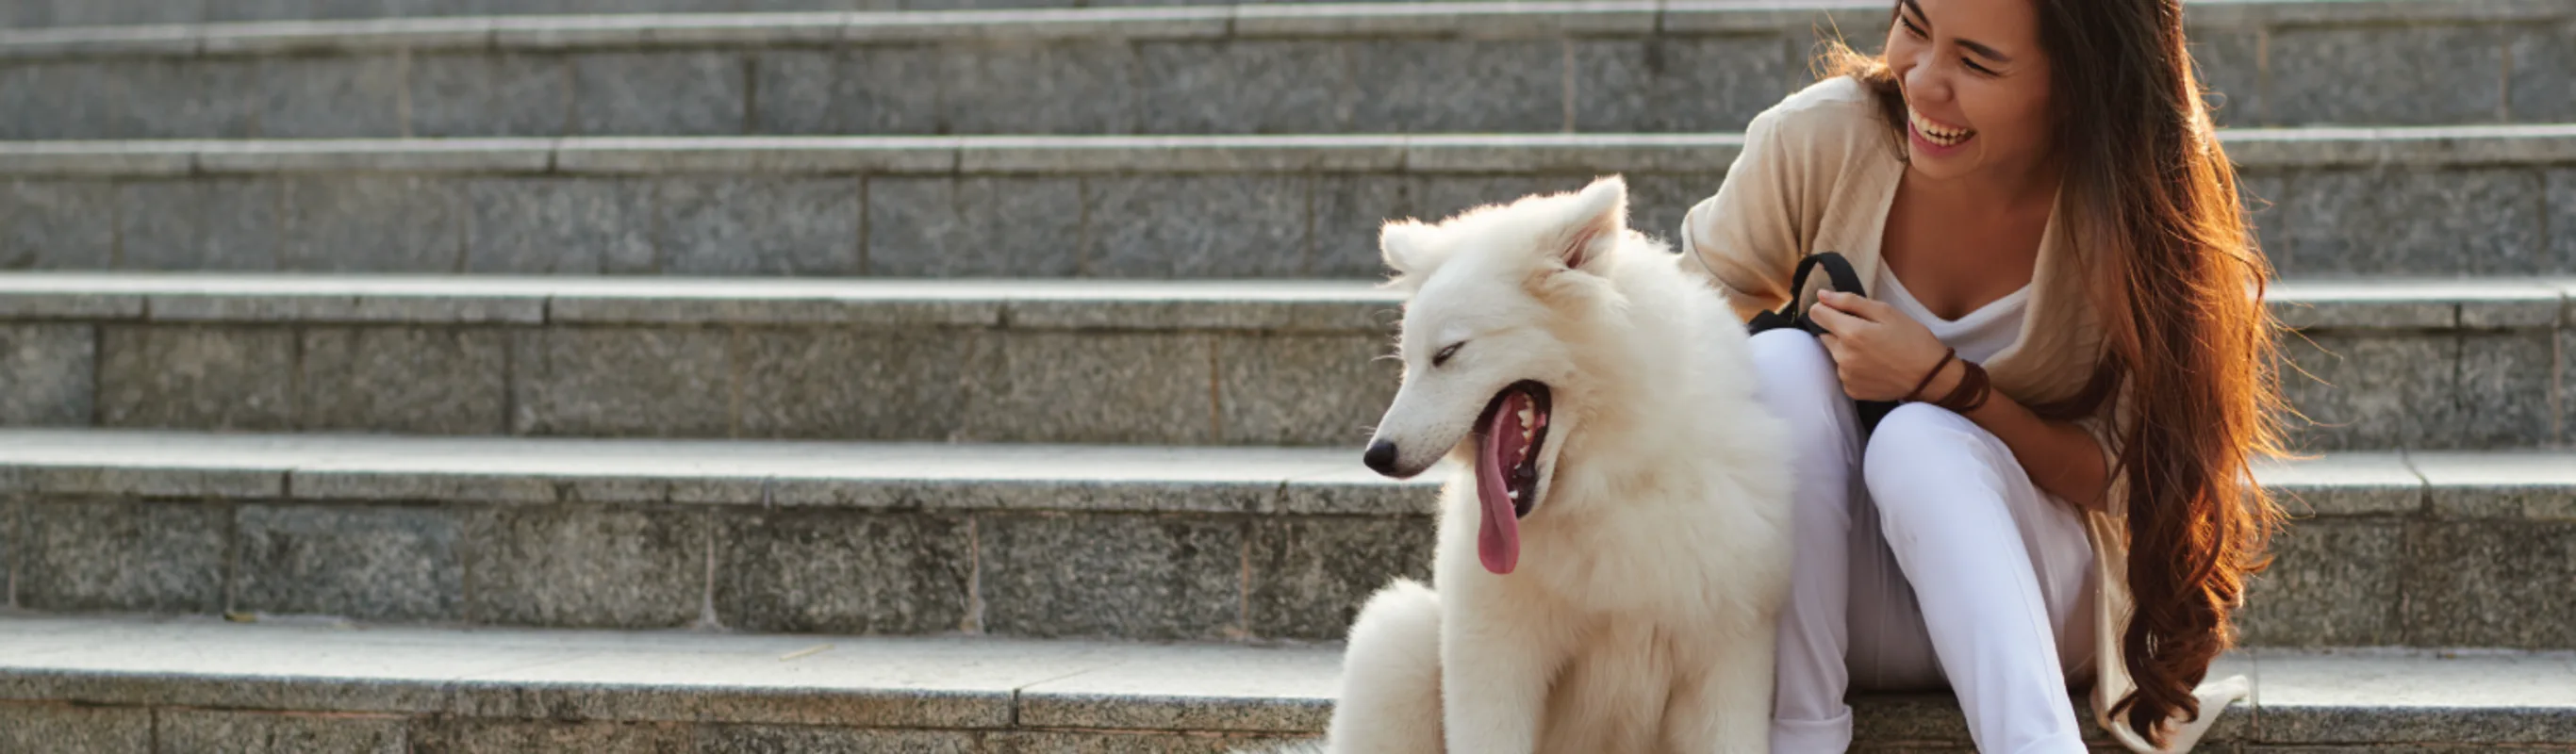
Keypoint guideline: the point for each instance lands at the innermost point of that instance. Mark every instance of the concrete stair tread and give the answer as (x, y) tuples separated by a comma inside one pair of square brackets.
[(966, 476), (2250, 148), (1011, 687), (1178, 21), (2364, 303), (1119, 542), (1142, 207)]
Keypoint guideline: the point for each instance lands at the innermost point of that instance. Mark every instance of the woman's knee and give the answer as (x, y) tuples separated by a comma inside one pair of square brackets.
[(1918, 445), (1797, 383), (1796, 377), (1790, 360)]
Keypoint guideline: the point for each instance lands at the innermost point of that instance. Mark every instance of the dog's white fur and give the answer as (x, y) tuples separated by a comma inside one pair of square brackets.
[(1641, 616)]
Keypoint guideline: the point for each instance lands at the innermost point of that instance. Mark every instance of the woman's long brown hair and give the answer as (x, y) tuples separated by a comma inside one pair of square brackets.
[(2178, 284)]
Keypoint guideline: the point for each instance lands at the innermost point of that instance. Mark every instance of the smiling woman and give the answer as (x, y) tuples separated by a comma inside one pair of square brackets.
[(2072, 298)]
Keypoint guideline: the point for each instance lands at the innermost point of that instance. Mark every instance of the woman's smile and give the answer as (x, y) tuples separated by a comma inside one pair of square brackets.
[(1933, 138)]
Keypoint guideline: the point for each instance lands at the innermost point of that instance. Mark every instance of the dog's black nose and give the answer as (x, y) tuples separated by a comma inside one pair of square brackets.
[(1380, 457)]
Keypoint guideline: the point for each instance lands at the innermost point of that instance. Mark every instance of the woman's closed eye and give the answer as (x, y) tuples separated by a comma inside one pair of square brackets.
[(1910, 28)]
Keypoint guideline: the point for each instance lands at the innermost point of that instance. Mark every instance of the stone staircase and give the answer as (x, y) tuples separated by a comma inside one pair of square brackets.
[(455, 376)]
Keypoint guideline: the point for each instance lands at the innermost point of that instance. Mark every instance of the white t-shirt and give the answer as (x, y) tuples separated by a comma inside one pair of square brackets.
[(1978, 335)]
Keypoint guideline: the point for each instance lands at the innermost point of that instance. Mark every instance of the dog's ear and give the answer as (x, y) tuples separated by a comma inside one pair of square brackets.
[(1406, 246), (1597, 218)]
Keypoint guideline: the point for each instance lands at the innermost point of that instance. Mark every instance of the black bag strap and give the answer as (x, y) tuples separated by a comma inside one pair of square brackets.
[(1838, 276)]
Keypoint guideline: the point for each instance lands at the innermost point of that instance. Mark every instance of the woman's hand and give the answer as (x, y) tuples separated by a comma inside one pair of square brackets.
[(1878, 351)]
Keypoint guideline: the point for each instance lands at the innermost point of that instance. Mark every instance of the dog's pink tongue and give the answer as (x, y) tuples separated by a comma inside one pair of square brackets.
[(1498, 542)]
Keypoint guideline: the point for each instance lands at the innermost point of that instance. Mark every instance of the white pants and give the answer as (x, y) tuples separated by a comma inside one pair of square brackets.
[(1926, 558)]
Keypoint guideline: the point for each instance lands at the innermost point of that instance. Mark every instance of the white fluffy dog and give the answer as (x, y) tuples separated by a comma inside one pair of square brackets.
[(1614, 544)]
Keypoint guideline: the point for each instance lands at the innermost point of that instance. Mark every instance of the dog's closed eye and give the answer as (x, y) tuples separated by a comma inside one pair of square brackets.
[(1442, 357)]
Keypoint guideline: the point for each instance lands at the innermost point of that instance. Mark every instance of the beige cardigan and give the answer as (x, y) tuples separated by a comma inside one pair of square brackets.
[(1818, 173)]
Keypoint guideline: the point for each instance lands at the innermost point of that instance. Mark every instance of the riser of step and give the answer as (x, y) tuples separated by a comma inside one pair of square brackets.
[(1589, 67), (2428, 549), (2437, 364), (2497, 200), (117, 686)]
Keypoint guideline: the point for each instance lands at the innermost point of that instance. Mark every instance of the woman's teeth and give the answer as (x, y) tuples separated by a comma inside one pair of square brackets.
[(1935, 132)]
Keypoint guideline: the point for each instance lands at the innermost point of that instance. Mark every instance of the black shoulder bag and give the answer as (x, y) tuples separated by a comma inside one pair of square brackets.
[(1838, 276)]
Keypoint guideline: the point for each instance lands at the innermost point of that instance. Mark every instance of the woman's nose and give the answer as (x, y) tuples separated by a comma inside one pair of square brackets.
[(1926, 82)]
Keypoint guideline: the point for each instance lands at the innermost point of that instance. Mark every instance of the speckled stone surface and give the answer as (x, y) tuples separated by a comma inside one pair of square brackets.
[(1129, 576), (1425, 86), (759, 226), (441, 381), (1119, 387), (1682, 84), (55, 224), (587, 566), (1349, 210), (197, 377), (761, 739), (1007, 88), (621, 381), (275, 733), (1311, 574), (1245, 86), (975, 227), (369, 563), (841, 572), (2332, 583), (2464, 699), (2561, 200), (373, 223), (863, 384), (96, 555), (1125, 742), (330, 97), (845, 91), (477, 736), (2397, 221), (1208, 542), (199, 225), (1196, 226), (2474, 584), (2360, 392), (512, 689), (477, 94), (1263, 396), (2348, 483), (2509, 383), (2348, 202), (560, 226), (52, 372), (2454, 74), (627, 93), (54, 727), (2499, 485)]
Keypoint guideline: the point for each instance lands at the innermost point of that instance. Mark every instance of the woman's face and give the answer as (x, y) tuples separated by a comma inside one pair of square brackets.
[(1976, 87)]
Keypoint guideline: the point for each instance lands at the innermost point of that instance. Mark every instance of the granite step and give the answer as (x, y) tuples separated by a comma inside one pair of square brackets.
[(1620, 66), (2425, 549), (2390, 363), (2444, 201), (128, 686)]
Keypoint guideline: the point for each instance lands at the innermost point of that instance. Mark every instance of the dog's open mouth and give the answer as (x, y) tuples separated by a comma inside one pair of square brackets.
[(1508, 438)]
